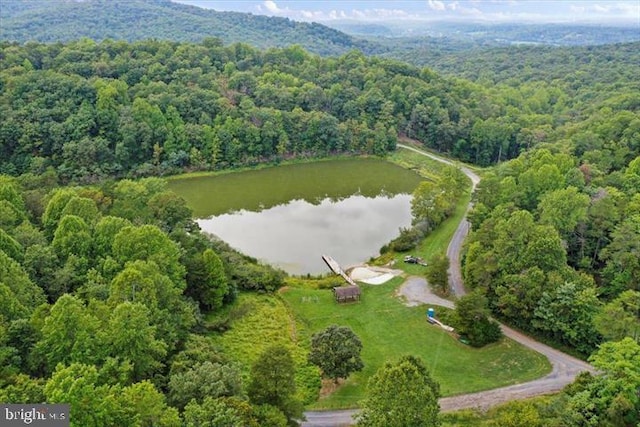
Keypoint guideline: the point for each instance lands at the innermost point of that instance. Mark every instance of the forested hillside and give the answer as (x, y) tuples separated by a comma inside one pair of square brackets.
[(67, 20), (86, 271), (92, 110), (580, 66)]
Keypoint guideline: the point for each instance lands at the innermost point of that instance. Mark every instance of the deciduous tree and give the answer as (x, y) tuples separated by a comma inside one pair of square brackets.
[(130, 336), (621, 317), (472, 320), (567, 313), (273, 381), (204, 380), (437, 272), (336, 351), (70, 334), (401, 393)]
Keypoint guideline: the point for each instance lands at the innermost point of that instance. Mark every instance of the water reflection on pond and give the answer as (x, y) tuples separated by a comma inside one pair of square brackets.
[(290, 215), (293, 236)]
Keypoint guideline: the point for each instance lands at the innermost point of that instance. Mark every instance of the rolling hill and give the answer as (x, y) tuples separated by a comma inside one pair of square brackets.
[(25, 20)]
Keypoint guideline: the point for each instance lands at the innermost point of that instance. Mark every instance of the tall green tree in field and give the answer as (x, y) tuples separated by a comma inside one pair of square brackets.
[(430, 204), (437, 272), (401, 394), (336, 351), (472, 320)]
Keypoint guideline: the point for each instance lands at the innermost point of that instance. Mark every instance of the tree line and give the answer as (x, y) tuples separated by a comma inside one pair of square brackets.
[(116, 109)]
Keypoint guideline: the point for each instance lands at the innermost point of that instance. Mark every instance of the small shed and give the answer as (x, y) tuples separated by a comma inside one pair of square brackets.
[(346, 293)]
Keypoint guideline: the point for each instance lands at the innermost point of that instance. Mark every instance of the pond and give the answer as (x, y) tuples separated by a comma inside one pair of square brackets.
[(289, 216)]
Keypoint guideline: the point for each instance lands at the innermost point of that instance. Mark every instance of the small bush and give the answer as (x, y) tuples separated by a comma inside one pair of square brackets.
[(484, 331), (407, 240)]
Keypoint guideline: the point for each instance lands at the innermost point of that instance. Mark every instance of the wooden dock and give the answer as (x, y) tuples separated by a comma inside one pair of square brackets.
[(335, 267)]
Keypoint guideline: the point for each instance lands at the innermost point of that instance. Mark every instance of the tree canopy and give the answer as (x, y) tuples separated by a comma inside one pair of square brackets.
[(336, 351), (401, 393)]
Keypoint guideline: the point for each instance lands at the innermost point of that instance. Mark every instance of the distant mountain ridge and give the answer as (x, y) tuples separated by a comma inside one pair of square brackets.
[(64, 20)]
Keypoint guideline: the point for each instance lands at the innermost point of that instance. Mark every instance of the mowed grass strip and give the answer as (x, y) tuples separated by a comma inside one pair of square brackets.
[(389, 329)]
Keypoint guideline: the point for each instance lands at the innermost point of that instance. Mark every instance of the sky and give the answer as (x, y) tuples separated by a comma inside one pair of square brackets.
[(494, 11)]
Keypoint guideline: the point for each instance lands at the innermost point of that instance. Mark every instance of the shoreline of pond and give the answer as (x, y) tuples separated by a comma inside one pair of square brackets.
[(350, 206), (269, 165)]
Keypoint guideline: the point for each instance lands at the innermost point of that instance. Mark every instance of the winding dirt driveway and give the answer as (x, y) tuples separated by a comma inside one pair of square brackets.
[(415, 290)]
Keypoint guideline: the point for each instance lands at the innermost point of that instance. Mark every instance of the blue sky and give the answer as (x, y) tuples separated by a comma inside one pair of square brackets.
[(495, 11)]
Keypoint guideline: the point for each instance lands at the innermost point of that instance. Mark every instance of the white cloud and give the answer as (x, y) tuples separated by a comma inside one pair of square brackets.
[(390, 13), (272, 6), (471, 11), (436, 5), (602, 11), (600, 8), (358, 14)]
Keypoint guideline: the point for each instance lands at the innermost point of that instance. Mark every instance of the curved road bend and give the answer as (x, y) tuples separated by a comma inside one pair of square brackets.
[(564, 367)]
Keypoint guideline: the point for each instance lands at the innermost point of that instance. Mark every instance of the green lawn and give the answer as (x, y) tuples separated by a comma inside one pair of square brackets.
[(388, 330)]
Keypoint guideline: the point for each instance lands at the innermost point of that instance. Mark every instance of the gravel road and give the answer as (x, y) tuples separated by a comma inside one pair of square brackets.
[(416, 291)]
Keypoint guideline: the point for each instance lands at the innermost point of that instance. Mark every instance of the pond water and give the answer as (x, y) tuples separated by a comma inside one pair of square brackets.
[(289, 216)]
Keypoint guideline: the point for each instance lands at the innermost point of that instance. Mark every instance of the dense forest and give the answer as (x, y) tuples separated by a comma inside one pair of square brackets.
[(92, 110), (105, 286), (130, 20), (411, 41)]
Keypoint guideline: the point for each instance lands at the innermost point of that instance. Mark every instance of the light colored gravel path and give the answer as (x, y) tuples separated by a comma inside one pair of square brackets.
[(416, 291)]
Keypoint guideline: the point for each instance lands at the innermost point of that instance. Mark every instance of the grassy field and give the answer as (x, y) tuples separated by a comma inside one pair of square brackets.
[(388, 330), (258, 321)]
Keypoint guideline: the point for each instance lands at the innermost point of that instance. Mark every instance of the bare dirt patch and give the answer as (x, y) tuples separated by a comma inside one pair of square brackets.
[(329, 386), (373, 275)]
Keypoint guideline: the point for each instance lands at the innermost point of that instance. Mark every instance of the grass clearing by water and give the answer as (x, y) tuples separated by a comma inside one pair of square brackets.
[(389, 329)]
